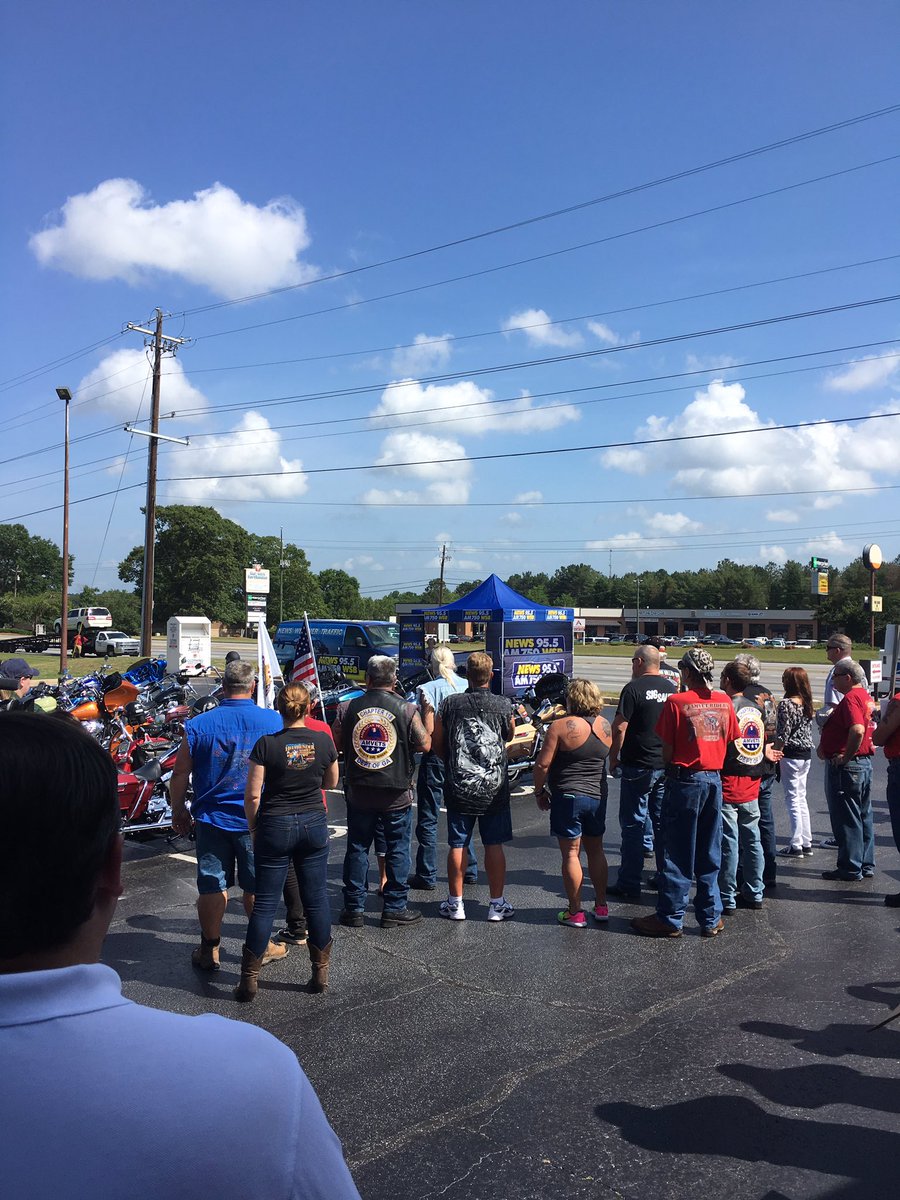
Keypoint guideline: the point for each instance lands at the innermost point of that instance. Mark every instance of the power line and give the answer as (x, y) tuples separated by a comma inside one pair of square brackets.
[(608, 312), (511, 454), (548, 360), (632, 190), (613, 237)]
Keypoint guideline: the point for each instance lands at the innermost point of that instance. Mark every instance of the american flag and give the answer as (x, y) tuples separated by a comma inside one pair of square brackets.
[(304, 668)]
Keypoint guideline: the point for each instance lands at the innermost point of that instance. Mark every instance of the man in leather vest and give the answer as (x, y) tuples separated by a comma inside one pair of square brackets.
[(379, 734), (747, 761)]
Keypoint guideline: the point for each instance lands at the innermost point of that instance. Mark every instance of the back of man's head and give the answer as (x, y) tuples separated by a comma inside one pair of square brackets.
[(854, 670), (751, 662), (381, 671), (60, 813), (840, 641), (647, 657), (738, 674), (479, 668), (238, 676)]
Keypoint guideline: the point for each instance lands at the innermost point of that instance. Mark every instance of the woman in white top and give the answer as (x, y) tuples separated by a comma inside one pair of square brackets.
[(445, 681)]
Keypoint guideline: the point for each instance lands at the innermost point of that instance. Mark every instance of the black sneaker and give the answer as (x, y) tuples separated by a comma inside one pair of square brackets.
[(791, 852), (743, 902), (868, 873), (470, 878), (354, 920), (405, 916), (843, 878), (290, 937), (621, 894), (418, 884), (728, 910)]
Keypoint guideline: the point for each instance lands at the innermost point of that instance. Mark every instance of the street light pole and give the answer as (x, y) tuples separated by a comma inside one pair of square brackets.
[(637, 611), (65, 395)]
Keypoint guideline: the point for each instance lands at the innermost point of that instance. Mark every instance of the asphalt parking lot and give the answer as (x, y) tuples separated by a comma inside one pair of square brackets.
[(473, 1060)]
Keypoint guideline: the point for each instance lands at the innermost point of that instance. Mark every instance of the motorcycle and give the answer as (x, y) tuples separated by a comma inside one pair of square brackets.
[(144, 795), (547, 702)]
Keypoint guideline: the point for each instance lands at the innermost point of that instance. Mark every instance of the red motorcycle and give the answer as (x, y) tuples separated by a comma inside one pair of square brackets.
[(144, 794)]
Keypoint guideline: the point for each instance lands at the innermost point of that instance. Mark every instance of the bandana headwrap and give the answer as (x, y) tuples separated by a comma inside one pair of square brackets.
[(699, 661)]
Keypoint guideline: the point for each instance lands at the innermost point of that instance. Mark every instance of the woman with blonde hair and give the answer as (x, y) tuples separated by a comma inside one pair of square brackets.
[(571, 767), (793, 725), (286, 815)]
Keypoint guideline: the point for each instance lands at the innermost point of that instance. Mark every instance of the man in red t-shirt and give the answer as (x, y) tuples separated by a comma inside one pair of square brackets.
[(695, 727), (846, 749), (887, 734), (294, 931)]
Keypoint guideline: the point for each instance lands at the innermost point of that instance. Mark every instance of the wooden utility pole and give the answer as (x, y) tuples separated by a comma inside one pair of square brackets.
[(160, 345), (66, 396), (441, 587)]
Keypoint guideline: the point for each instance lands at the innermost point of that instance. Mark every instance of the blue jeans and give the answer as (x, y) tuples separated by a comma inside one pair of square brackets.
[(740, 840), (219, 852), (362, 825), (848, 792), (300, 838), (640, 801), (429, 798), (893, 797), (692, 846)]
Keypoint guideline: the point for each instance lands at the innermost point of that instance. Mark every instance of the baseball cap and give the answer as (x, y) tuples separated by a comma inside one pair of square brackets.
[(18, 668)]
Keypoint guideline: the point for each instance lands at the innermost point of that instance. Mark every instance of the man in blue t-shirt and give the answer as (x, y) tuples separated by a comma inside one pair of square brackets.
[(216, 752)]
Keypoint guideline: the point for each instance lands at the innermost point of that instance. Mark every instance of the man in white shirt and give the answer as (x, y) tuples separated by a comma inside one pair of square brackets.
[(136, 1102)]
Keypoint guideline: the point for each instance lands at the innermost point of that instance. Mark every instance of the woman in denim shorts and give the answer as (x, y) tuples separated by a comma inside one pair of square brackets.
[(570, 781)]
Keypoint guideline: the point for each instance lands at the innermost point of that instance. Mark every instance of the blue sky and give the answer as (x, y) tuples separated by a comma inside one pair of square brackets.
[(211, 152)]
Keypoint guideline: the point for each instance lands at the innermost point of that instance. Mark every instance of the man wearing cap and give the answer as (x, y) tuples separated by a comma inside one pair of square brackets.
[(696, 727), (18, 668), (838, 648), (846, 749)]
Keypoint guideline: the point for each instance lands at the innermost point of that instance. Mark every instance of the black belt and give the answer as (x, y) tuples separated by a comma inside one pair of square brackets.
[(675, 772)]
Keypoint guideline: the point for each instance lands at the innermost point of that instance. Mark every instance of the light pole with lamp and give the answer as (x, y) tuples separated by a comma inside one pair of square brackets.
[(66, 396)]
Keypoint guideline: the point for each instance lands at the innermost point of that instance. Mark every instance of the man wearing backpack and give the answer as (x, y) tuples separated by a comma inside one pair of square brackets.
[(470, 733)]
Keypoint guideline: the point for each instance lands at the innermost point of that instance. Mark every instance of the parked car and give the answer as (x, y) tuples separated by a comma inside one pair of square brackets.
[(757, 641), (777, 644), (113, 642), (84, 619), (719, 639), (689, 639)]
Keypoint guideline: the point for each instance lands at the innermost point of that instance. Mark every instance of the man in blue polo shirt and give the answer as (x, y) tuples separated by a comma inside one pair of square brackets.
[(216, 751)]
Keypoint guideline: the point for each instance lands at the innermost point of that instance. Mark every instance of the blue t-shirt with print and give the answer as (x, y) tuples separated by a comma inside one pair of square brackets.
[(220, 742)]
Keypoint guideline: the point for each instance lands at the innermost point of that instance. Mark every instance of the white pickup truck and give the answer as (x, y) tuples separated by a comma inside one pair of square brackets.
[(112, 642)]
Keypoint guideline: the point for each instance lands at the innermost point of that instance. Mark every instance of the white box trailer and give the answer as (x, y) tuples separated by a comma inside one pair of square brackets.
[(188, 645)]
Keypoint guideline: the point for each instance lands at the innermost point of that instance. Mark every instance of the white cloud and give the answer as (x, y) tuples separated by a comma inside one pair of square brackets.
[(538, 329), (620, 541), (529, 498), (865, 373), (829, 501), (251, 443), (710, 362), (672, 523), (511, 518), (604, 333), (122, 381), (426, 355), (363, 560), (470, 409), (442, 482), (783, 516), (828, 543), (823, 454), (775, 554), (215, 239)]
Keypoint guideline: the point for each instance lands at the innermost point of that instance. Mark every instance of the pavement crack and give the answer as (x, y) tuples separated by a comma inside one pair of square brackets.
[(504, 1087)]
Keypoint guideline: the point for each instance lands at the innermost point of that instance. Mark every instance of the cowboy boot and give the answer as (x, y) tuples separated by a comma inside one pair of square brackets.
[(206, 956), (250, 965), (319, 960), (273, 952)]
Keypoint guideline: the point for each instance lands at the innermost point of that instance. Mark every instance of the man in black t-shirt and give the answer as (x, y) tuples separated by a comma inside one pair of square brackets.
[(638, 750)]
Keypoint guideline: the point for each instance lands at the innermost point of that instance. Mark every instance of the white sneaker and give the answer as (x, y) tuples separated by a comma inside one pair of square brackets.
[(500, 910), (453, 910)]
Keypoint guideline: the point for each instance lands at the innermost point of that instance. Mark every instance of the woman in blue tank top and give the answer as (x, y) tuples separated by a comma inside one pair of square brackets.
[(570, 782)]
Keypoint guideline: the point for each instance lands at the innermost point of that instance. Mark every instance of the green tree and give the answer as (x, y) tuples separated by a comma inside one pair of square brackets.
[(533, 585), (200, 560), (340, 594), (575, 584), (296, 581), (29, 563)]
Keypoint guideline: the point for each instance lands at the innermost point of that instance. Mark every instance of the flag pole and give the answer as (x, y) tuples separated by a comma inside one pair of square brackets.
[(315, 662)]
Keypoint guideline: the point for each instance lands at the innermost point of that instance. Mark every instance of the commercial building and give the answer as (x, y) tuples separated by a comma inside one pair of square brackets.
[(792, 624)]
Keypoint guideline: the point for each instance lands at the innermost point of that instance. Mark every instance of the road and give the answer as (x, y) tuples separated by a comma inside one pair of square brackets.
[(475, 1061)]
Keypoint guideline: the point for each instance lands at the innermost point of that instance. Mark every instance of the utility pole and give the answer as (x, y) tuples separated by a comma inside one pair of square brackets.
[(637, 611), (66, 396), (160, 345), (441, 588)]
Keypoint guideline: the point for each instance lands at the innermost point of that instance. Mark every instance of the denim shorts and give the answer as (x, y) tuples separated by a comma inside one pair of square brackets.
[(574, 816), (219, 851), (494, 827)]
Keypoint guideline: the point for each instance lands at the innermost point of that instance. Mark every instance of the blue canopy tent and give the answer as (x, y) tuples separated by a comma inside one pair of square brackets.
[(525, 640)]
